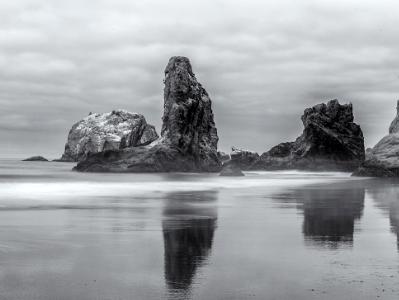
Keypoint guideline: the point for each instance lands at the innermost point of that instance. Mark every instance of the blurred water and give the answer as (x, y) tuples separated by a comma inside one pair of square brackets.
[(269, 235)]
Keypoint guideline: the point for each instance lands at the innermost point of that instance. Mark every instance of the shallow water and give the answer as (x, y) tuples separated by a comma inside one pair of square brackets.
[(269, 235)]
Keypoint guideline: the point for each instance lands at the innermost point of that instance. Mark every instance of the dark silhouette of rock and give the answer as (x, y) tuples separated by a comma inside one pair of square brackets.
[(383, 159), (35, 158), (386, 196), (329, 212), (330, 141), (110, 131), (231, 169), (330, 215), (188, 140), (188, 231)]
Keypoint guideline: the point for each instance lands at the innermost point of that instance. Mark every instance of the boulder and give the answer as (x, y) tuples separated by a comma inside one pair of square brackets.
[(383, 159), (223, 156), (244, 159), (36, 158), (116, 130), (189, 137), (330, 141), (231, 169)]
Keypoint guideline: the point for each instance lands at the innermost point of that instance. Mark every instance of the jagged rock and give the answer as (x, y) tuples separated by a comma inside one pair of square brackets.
[(330, 141), (35, 158), (244, 159), (372, 168), (383, 159), (188, 140), (223, 156), (110, 131), (231, 169)]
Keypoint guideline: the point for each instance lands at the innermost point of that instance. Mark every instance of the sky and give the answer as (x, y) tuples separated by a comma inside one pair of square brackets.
[(262, 63)]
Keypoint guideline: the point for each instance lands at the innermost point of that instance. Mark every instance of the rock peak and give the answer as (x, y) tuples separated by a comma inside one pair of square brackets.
[(188, 122), (179, 64)]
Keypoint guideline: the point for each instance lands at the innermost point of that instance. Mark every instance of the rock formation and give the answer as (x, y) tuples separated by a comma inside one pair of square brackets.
[(188, 140), (231, 169), (243, 159), (223, 156), (330, 141), (35, 158), (383, 159), (116, 130)]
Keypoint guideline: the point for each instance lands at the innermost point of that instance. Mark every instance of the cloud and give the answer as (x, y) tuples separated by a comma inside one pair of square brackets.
[(262, 62)]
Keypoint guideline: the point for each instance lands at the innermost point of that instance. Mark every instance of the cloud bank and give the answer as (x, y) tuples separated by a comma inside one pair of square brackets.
[(262, 63)]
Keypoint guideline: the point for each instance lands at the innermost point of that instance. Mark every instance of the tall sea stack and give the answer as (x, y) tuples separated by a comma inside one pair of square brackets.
[(188, 141)]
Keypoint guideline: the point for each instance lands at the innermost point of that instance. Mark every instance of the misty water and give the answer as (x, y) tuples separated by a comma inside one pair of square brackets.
[(268, 235)]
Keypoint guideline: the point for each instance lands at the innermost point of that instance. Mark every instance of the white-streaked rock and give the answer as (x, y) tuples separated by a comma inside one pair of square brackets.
[(109, 131)]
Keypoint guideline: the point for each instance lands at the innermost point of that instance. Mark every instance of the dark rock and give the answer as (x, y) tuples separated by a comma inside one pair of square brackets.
[(383, 159), (110, 131), (231, 169), (35, 158), (223, 157), (330, 141), (374, 170), (244, 159), (188, 140)]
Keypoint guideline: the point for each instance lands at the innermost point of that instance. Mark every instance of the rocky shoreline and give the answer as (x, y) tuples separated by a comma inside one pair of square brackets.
[(121, 141)]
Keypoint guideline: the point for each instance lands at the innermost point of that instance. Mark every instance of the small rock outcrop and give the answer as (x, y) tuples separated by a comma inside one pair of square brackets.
[(243, 159), (223, 156), (36, 158), (330, 141), (231, 169), (189, 137), (383, 159), (116, 130)]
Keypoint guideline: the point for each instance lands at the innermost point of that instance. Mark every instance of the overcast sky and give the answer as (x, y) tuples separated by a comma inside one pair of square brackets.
[(262, 62)]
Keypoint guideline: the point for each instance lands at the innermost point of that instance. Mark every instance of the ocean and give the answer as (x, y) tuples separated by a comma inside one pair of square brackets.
[(268, 235)]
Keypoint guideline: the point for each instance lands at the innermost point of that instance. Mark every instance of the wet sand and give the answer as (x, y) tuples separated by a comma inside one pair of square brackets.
[(269, 235)]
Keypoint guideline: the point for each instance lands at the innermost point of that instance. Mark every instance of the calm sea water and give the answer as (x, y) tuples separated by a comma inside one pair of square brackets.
[(269, 235)]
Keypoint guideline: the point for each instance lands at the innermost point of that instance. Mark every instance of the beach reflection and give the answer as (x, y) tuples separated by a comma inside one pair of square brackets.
[(385, 193), (329, 213), (189, 223)]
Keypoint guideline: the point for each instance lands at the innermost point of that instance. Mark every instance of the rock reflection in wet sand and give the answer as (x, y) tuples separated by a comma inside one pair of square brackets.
[(329, 213), (386, 196), (189, 223)]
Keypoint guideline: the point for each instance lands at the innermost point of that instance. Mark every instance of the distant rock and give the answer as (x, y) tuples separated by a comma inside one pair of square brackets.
[(223, 156), (371, 168), (244, 159), (189, 137), (330, 141), (35, 158), (116, 130), (383, 159), (231, 169)]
